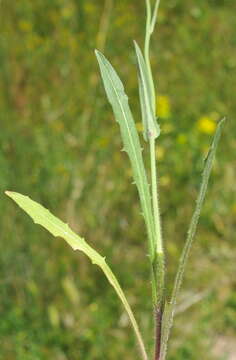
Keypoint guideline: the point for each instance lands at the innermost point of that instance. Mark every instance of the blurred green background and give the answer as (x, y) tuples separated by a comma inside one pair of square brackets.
[(61, 145)]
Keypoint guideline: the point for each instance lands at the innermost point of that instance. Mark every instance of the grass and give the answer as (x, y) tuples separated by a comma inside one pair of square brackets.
[(36, 111)]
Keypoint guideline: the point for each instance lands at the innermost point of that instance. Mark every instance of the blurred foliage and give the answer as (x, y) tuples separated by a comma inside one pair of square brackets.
[(61, 145)]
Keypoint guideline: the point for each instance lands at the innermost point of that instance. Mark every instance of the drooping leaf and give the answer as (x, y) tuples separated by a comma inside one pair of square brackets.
[(58, 228), (170, 308), (151, 127), (119, 102)]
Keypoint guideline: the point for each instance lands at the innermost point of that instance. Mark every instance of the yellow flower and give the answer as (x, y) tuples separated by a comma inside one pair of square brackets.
[(163, 106), (206, 125)]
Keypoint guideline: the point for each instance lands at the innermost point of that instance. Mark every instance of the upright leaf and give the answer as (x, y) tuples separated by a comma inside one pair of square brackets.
[(150, 125), (154, 16), (119, 102), (170, 308), (56, 227)]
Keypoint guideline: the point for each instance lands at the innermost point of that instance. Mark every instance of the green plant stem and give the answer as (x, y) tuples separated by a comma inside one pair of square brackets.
[(159, 262), (159, 254), (149, 29), (156, 212), (158, 334)]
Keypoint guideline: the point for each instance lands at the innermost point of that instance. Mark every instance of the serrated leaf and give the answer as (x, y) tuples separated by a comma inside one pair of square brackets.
[(170, 308), (150, 125), (56, 227), (119, 102)]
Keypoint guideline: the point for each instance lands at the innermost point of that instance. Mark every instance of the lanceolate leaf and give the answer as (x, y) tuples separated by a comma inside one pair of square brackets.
[(119, 102), (56, 227), (151, 127), (170, 308)]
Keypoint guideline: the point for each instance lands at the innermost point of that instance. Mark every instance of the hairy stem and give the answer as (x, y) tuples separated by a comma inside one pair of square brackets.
[(158, 263), (156, 212), (159, 307), (158, 318)]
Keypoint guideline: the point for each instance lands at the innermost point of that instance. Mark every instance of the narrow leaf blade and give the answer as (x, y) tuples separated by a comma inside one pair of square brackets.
[(154, 16), (170, 308), (151, 127), (119, 102), (58, 228)]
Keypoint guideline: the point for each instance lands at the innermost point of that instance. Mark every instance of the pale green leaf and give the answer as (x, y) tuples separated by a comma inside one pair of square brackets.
[(170, 308), (56, 227), (151, 127), (119, 102), (151, 15), (154, 16)]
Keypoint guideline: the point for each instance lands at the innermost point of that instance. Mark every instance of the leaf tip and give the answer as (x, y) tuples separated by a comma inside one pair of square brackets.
[(222, 121), (98, 53), (9, 193)]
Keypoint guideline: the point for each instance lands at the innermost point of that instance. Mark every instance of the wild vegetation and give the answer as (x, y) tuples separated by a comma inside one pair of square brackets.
[(51, 118)]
